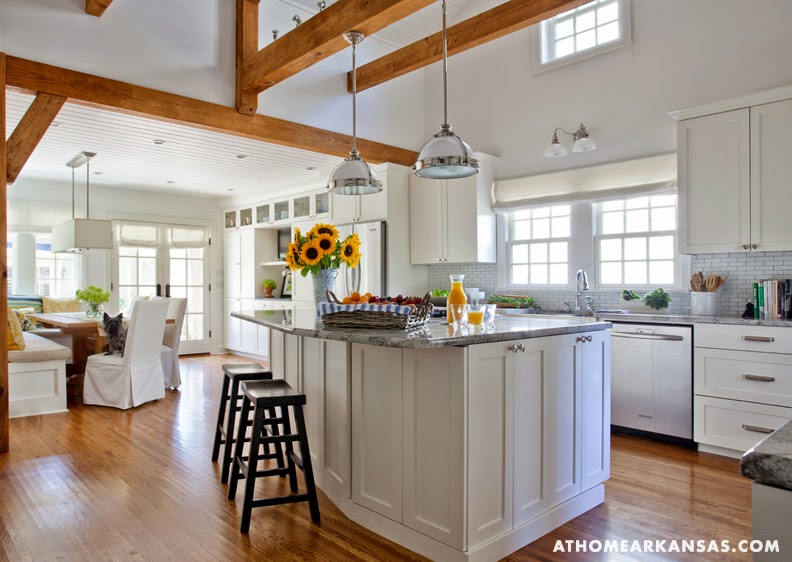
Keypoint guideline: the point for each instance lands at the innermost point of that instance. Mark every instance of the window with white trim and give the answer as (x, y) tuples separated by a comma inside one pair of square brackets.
[(636, 242), (56, 274), (598, 26), (538, 246)]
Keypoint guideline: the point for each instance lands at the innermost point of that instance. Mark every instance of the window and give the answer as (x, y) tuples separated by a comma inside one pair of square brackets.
[(636, 242), (538, 246), (56, 274), (137, 274), (10, 262), (595, 27)]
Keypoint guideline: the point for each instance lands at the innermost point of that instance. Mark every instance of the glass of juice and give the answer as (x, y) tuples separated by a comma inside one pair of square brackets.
[(456, 296), (475, 315)]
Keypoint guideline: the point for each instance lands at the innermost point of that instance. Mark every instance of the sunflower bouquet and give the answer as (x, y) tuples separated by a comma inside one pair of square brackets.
[(321, 248)]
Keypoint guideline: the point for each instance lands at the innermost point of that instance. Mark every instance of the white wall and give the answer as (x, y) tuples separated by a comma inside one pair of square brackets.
[(187, 47), (684, 53), (40, 205)]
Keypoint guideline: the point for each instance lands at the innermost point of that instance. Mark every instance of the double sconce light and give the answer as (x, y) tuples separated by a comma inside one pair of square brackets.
[(582, 143)]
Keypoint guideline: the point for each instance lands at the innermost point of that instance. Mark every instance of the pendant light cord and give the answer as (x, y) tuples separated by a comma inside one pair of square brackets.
[(445, 67), (72, 193), (354, 98), (87, 189)]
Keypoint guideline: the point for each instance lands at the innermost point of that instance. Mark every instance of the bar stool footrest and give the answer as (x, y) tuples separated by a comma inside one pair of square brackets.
[(280, 500)]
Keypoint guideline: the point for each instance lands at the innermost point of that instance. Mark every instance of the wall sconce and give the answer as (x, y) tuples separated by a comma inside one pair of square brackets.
[(582, 143)]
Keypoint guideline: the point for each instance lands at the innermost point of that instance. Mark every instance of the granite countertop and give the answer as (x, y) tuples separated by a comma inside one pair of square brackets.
[(436, 332), (770, 461), (688, 319)]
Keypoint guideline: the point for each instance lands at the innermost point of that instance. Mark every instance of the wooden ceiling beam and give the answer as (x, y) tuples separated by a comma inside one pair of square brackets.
[(29, 132), (247, 29), (96, 7), (4, 412), (490, 25), (320, 37), (90, 90)]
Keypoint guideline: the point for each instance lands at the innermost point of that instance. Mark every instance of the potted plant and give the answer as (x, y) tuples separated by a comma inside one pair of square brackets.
[(269, 286), (94, 297), (654, 302)]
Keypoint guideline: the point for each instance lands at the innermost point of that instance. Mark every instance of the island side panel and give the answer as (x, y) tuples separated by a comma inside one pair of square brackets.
[(337, 412), (595, 368), (434, 443)]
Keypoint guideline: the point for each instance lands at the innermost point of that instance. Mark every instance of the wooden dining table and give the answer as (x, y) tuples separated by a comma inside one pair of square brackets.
[(87, 334)]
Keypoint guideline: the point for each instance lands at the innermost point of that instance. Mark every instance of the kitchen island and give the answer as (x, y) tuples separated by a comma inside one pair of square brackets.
[(457, 445)]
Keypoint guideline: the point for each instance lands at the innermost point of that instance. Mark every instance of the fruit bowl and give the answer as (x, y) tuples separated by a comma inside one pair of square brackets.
[(379, 315)]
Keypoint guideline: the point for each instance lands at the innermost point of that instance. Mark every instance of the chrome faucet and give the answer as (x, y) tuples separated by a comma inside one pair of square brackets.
[(581, 284)]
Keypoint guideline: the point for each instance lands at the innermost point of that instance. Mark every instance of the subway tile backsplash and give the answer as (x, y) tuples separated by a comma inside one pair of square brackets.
[(743, 270)]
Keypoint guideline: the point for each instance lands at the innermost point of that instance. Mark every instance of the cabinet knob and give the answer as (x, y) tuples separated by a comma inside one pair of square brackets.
[(745, 246), (513, 348), (754, 246)]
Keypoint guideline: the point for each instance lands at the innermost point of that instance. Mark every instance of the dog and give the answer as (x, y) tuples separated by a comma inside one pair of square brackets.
[(116, 333)]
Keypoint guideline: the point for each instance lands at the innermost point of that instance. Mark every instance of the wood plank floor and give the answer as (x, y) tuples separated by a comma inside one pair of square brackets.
[(102, 484)]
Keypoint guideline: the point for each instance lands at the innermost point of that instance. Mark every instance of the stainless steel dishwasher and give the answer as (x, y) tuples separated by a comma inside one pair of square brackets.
[(652, 380)]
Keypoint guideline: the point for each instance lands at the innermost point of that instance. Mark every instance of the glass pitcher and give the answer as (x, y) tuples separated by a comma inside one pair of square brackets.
[(456, 296)]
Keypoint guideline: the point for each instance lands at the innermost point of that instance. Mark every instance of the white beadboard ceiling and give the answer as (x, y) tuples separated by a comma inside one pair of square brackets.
[(197, 161)]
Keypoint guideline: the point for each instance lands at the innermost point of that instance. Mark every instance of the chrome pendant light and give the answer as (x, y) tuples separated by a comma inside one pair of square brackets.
[(445, 155), (354, 176)]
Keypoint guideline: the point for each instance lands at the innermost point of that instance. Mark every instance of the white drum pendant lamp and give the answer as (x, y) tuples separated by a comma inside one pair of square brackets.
[(445, 155), (354, 176)]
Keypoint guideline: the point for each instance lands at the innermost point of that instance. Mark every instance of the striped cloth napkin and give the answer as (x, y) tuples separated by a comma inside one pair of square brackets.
[(331, 308)]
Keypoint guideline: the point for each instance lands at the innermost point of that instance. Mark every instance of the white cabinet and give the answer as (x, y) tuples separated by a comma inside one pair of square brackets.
[(302, 287), (733, 174), (233, 326), (377, 429), (361, 208), (312, 205), (452, 220), (240, 263)]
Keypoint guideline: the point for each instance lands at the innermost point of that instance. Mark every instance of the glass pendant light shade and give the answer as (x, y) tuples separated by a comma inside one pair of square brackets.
[(555, 150), (354, 176), (445, 155), (582, 141)]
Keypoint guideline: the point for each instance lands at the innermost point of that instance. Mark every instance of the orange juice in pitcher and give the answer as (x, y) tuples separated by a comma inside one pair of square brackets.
[(456, 296)]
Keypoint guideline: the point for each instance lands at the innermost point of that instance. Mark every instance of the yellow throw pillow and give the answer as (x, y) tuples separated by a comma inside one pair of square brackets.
[(24, 321), (60, 305), (16, 339)]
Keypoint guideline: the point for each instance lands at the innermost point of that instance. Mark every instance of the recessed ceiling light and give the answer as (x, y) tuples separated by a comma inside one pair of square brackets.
[(158, 141), (55, 124), (98, 173), (241, 156), (231, 189), (170, 181), (311, 168)]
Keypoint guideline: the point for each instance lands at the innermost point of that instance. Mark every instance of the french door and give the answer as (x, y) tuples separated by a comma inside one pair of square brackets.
[(152, 259)]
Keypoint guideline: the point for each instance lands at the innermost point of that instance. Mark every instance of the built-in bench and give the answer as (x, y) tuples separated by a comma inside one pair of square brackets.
[(37, 377)]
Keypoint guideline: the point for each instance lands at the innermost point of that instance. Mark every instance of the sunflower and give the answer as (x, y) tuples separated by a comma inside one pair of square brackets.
[(326, 243), (353, 260), (323, 228), (350, 250), (296, 233), (293, 256), (311, 253)]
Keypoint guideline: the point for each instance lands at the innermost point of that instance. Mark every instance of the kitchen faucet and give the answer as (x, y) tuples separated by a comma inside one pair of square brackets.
[(581, 284)]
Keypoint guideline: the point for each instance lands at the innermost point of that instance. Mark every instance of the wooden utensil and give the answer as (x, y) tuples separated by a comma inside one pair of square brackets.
[(711, 283), (696, 282)]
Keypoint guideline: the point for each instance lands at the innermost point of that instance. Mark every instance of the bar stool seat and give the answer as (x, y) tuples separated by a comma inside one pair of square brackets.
[(235, 374), (260, 397)]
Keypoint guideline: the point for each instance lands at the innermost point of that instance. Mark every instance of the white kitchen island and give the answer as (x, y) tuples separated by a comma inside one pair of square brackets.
[(456, 446)]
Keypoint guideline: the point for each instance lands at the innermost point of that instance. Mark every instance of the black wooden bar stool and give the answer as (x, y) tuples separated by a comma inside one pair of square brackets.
[(261, 396), (235, 374)]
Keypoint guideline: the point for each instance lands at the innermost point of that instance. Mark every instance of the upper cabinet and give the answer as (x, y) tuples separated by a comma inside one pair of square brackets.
[(734, 170), (313, 205), (362, 208), (452, 221)]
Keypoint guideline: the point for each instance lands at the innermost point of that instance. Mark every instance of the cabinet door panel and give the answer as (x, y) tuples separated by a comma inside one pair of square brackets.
[(336, 441), (262, 344), (312, 367), (345, 208), (374, 207), (231, 280), (434, 447), (377, 429), (233, 326), (249, 336), (277, 361), (595, 407), (771, 170), (490, 438), (291, 360), (461, 231), (714, 183), (247, 263), (426, 221)]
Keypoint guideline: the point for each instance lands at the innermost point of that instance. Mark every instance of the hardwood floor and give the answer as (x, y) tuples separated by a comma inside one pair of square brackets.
[(102, 484)]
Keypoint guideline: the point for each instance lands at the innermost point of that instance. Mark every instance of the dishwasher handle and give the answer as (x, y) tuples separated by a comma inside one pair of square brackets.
[(661, 337)]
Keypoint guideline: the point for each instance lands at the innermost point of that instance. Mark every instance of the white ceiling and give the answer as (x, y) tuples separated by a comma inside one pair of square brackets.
[(197, 161)]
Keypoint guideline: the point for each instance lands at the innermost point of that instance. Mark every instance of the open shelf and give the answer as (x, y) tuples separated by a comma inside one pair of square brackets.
[(273, 263)]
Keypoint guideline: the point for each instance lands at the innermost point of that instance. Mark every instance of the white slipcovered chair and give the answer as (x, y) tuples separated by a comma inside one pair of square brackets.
[(137, 377), (177, 308)]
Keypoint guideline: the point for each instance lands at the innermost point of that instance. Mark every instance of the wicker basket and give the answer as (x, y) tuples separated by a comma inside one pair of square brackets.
[(378, 320)]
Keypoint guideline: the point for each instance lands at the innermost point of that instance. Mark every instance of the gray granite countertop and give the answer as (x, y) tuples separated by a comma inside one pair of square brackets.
[(688, 319), (770, 461), (436, 332)]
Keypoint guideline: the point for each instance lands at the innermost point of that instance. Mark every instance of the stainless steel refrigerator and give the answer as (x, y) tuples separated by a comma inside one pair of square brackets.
[(370, 274)]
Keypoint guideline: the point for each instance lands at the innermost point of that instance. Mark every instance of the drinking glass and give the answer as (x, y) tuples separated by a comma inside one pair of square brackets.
[(459, 314), (475, 314), (490, 310)]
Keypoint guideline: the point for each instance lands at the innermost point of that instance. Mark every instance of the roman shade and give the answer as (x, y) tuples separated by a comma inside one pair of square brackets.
[(138, 235), (187, 236), (652, 175)]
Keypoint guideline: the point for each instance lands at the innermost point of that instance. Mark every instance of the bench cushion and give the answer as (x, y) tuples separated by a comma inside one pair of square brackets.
[(25, 301), (38, 349), (50, 304), (15, 340)]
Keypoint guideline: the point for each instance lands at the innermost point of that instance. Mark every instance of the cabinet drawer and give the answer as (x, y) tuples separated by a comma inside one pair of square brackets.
[(735, 425), (768, 339), (741, 375)]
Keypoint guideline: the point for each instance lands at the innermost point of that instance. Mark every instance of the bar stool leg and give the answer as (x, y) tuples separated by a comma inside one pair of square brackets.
[(252, 467), (276, 432), (239, 449), (289, 449), (220, 419), (228, 453), (305, 453)]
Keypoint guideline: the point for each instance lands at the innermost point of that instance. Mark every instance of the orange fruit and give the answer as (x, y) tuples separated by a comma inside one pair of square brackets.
[(368, 295), (347, 300), (355, 296), (363, 300)]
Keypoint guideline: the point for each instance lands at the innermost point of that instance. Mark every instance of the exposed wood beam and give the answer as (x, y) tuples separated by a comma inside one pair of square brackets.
[(321, 37), (247, 17), (4, 437), (29, 132), (96, 7), (87, 89), (490, 25)]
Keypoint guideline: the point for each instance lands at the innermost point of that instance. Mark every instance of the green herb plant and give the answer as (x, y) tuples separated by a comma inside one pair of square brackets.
[(93, 295), (269, 284)]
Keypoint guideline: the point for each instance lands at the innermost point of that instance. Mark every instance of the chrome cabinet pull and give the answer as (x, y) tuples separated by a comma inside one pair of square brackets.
[(583, 339), (645, 416), (758, 378), (762, 339), (521, 347), (589, 338), (646, 336), (754, 246), (757, 429), (512, 348)]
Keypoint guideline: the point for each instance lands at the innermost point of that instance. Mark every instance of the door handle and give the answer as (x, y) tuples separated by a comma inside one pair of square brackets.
[(757, 429), (159, 290), (167, 290), (646, 336), (761, 339), (758, 378)]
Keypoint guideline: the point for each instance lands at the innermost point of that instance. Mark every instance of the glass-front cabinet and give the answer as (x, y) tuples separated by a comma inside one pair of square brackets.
[(231, 219), (246, 217), (302, 207), (263, 214), (322, 203), (281, 210)]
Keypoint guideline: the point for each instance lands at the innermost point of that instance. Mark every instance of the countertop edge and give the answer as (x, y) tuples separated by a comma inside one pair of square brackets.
[(770, 461)]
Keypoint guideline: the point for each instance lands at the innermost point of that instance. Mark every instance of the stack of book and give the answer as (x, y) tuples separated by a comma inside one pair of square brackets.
[(773, 299)]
